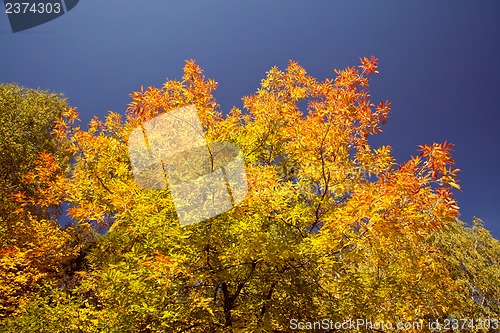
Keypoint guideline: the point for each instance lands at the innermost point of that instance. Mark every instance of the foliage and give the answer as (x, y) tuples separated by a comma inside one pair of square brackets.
[(330, 228), (31, 242)]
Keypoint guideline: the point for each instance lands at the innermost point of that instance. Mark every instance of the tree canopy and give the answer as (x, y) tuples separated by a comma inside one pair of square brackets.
[(331, 227), (31, 248)]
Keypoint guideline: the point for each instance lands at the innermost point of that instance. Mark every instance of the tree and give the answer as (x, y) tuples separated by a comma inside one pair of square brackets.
[(473, 260), (30, 238), (330, 228), (26, 120)]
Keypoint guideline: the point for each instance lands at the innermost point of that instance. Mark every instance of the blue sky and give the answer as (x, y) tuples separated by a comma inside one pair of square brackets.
[(439, 64)]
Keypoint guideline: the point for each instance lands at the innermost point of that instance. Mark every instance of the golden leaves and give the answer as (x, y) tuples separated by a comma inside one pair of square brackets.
[(369, 65), (328, 221)]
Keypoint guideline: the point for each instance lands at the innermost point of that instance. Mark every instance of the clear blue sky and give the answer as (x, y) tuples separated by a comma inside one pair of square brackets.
[(439, 63)]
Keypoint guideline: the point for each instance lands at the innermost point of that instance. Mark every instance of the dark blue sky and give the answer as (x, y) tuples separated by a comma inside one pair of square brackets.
[(439, 63)]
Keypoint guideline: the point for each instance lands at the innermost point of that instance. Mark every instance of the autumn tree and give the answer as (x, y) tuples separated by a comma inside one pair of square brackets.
[(30, 238), (331, 227), (27, 118)]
